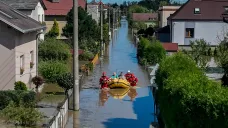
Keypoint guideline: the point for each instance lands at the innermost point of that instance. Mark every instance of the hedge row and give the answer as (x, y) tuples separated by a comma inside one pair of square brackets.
[(187, 98), (27, 97), (150, 52)]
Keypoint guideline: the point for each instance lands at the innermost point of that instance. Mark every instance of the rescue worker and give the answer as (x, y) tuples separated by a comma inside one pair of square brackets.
[(128, 75), (104, 81), (133, 80)]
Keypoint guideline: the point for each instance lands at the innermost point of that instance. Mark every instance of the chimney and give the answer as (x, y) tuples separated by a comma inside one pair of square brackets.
[(55, 1)]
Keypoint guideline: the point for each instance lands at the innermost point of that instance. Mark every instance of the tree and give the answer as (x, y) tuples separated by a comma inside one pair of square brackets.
[(66, 81), (88, 27), (149, 31), (221, 58), (199, 52), (54, 32)]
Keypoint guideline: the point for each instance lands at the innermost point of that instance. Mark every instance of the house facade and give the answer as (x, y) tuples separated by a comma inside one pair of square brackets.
[(93, 8), (197, 20), (58, 9), (32, 8), (18, 41), (150, 19), (164, 12)]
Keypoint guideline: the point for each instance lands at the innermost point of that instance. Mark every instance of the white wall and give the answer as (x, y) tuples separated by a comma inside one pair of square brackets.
[(178, 32), (25, 43), (93, 10), (210, 31), (38, 15)]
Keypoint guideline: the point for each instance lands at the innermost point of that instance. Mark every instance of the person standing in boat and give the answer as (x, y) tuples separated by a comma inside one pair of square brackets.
[(121, 76), (104, 80), (114, 76)]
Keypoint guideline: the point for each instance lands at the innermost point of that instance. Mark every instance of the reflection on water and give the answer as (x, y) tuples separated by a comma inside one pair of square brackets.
[(117, 94)]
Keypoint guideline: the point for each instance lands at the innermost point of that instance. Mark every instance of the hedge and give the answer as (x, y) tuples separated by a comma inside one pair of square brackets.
[(150, 52), (187, 98), (51, 69), (16, 96), (52, 49)]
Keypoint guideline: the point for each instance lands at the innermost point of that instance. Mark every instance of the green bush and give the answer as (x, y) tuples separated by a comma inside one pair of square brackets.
[(66, 81), (21, 114), (19, 85), (187, 99), (86, 56), (90, 65), (51, 69), (52, 49), (27, 97), (151, 52)]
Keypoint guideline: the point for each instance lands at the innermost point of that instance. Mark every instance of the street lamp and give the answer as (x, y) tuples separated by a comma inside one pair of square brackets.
[(225, 16)]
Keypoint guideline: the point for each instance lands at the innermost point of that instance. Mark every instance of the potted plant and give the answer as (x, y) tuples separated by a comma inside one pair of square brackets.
[(38, 81), (22, 71), (31, 64)]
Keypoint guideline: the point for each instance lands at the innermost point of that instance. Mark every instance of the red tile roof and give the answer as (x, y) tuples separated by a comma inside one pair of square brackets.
[(62, 7), (209, 10), (144, 16), (170, 47)]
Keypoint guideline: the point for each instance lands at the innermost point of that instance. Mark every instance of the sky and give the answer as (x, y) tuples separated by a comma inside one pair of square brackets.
[(121, 1)]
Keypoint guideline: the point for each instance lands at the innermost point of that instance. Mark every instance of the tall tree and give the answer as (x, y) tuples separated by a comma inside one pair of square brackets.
[(221, 57), (88, 27)]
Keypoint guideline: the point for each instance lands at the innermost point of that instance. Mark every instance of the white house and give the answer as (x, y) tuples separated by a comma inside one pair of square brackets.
[(198, 19), (93, 8), (32, 8), (18, 41)]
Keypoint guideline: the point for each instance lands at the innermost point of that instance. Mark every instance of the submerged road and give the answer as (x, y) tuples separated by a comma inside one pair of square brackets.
[(135, 109)]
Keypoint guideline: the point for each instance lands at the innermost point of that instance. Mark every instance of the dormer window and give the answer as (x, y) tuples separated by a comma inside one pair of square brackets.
[(197, 11)]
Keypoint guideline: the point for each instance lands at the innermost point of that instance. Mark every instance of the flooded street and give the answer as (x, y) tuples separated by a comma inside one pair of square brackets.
[(121, 109)]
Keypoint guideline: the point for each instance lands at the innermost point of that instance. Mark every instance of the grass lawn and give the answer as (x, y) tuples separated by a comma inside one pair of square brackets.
[(52, 94)]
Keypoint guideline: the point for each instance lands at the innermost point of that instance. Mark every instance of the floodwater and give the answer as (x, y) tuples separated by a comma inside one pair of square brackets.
[(133, 108)]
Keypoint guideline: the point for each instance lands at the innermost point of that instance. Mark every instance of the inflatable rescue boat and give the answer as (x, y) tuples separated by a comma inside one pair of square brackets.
[(118, 83)]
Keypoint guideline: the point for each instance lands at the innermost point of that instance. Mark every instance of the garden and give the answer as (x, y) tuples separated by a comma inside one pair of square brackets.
[(186, 96)]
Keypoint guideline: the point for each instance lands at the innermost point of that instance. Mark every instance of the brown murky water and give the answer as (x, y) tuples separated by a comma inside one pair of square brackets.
[(133, 108)]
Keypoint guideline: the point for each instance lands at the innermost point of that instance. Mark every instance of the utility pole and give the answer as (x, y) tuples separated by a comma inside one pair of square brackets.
[(109, 25), (113, 20), (101, 20), (76, 65)]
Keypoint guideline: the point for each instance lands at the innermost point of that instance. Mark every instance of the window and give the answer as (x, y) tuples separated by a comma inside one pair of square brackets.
[(196, 11), (22, 64), (31, 56), (42, 18), (31, 59), (38, 17), (189, 32)]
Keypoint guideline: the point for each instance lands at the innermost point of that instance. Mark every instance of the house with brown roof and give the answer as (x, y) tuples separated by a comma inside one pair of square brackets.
[(58, 9), (170, 48), (18, 44), (150, 19), (198, 19)]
